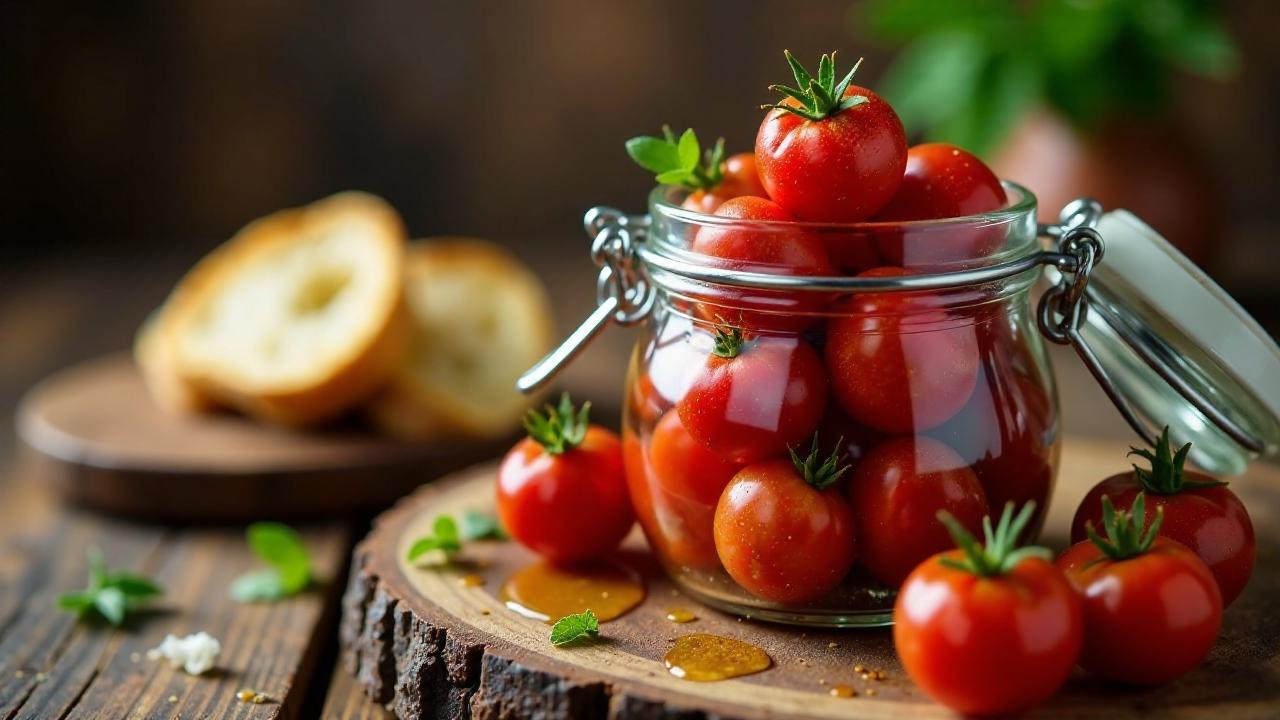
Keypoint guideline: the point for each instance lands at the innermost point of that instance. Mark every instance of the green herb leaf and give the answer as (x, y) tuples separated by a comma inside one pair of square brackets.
[(108, 594), (572, 628), (444, 538), (280, 547), (481, 526), (258, 586), (679, 161), (110, 602)]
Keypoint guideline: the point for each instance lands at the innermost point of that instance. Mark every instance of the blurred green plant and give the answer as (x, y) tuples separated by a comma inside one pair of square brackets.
[(969, 69)]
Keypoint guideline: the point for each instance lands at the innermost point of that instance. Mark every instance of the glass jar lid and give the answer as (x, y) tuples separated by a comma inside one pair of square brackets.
[(1169, 345)]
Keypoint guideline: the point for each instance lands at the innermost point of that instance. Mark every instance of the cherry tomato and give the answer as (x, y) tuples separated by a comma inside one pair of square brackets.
[(896, 365), (739, 179), (1152, 611), (775, 246), (783, 532), (1007, 432), (837, 161), (941, 181), (997, 637), (561, 491), (678, 529), (897, 491), (755, 398), (1199, 512)]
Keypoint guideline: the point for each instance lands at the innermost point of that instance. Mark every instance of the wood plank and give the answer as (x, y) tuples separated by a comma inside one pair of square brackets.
[(52, 666)]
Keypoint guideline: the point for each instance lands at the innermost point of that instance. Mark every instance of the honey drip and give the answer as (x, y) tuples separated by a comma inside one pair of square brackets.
[(843, 691), (680, 615), (545, 592), (705, 658)]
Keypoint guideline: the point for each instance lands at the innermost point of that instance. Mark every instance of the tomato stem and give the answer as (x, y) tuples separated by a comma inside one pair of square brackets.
[(1125, 536), (1001, 552), (1166, 475), (561, 428), (818, 472), (818, 97), (728, 342)]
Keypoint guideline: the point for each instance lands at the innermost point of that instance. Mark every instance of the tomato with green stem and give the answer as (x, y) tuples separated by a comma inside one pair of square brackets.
[(988, 629), (561, 491), (783, 529), (709, 176), (755, 397), (897, 491), (1152, 610), (1199, 512), (830, 151)]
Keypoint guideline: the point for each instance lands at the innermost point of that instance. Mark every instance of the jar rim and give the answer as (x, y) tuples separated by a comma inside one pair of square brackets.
[(668, 258), (661, 202)]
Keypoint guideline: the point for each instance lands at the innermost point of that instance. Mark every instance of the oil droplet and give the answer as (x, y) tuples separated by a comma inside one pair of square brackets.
[(703, 658), (842, 691), (680, 615), (471, 580), (545, 592)]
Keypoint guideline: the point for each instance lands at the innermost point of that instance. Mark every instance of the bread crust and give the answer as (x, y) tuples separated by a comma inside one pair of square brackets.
[(416, 406), (374, 352)]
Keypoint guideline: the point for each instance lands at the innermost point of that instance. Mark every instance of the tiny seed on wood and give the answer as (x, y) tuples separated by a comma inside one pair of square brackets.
[(246, 695), (173, 698), (19, 674)]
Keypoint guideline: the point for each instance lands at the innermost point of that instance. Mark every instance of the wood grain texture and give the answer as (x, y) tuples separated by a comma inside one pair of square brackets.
[(107, 446), (53, 666), (427, 646)]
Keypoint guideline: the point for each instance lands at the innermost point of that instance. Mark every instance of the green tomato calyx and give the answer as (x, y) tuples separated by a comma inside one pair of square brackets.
[(1001, 552), (818, 97)]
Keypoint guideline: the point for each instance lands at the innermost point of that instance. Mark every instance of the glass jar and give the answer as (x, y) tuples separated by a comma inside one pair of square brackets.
[(933, 399), (911, 353)]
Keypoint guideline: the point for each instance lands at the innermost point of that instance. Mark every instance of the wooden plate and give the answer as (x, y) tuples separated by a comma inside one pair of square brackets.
[(430, 646), (111, 448)]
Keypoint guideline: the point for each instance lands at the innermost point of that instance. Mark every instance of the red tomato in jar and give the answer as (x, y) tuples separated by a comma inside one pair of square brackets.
[(783, 531), (1007, 431), (774, 246), (1199, 512), (738, 178), (1152, 610), (684, 466), (838, 156), (990, 629), (941, 181), (898, 366), (755, 398), (897, 491), (678, 529), (545, 481)]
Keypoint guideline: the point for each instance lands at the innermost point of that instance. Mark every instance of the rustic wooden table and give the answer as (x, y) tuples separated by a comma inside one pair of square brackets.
[(54, 667)]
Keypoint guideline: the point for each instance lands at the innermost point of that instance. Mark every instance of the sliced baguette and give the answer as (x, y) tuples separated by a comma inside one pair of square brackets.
[(481, 318), (300, 316), (153, 353)]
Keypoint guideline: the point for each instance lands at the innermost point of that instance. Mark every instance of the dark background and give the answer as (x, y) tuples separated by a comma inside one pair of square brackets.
[(137, 136)]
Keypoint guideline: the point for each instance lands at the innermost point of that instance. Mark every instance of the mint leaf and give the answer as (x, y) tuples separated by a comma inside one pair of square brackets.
[(108, 594), (678, 161), (481, 526), (258, 586), (572, 628), (280, 547), (444, 538), (654, 154), (110, 602)]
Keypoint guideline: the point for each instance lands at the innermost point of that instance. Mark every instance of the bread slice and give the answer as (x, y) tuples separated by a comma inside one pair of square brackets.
[(300, 316), (481, 318), (153, 354)]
